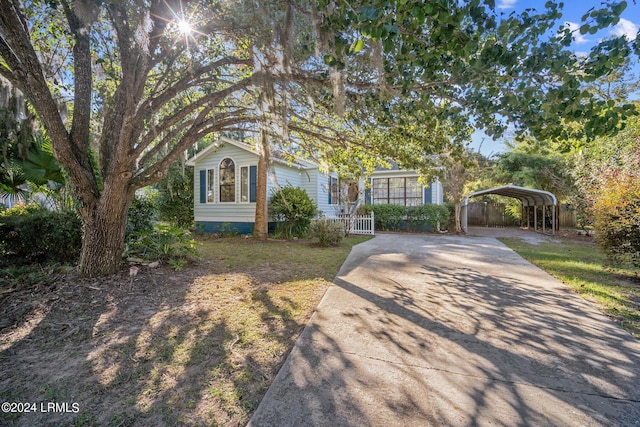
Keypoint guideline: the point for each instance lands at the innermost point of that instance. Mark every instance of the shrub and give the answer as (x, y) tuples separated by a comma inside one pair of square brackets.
[(22, 209), (414, 218), (293, 209), (140, 215), (328, 233), (165, 243), (387, 217), (617, 218), (418, 218), (31, 234), (451, 219), (175, 196)]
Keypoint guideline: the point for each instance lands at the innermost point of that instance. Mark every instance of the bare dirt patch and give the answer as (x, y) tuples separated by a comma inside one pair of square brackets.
[(196, 347)]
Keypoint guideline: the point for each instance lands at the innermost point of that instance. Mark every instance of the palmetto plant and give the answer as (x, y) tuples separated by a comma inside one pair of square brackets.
[(37, 173), (13, 185)]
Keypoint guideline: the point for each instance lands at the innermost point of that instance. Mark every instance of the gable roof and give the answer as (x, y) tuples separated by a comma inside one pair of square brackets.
[(278, 156)]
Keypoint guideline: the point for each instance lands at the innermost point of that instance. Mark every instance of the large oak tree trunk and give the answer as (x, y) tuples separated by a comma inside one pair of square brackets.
[(104, 233)]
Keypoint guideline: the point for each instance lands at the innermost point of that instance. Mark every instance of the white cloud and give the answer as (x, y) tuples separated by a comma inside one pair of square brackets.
[(625, 28), (575, 32), (507, 4)]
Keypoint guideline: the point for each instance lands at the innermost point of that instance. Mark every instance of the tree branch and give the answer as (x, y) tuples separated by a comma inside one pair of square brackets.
[(173, 119), (155, 172)]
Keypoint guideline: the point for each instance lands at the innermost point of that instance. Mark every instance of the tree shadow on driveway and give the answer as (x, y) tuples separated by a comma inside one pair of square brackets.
[(446, 331)]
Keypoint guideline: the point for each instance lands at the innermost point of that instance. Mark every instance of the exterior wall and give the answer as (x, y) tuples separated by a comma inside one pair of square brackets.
[(432, 194), (322, 188), (314, 182), (285, 175), (239, 217), (309, 181), (223, 212), (230, 227), (437, 193)]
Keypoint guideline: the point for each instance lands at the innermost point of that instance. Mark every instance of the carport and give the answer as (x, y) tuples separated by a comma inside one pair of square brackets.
[(529, 198)]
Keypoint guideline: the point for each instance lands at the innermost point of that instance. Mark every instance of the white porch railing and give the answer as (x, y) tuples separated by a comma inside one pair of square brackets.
[(356, 224)]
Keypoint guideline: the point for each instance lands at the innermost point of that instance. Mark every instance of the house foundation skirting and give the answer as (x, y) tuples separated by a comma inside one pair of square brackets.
[(227, 227)]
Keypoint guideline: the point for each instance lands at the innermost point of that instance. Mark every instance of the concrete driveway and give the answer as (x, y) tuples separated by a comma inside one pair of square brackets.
[(453, 331)]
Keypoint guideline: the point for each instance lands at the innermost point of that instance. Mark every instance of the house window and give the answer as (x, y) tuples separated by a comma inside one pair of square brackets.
[(334, 191), (244, 184), (211, 186), (227, 181), (404, 191)]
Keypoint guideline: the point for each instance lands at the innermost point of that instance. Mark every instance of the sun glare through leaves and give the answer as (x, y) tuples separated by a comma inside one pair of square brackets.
[(185, 27)]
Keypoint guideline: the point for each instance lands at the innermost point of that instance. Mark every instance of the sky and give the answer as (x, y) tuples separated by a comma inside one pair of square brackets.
[(572, 13)]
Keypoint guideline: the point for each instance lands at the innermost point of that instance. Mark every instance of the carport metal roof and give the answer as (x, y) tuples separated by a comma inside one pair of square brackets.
[(527, 196)]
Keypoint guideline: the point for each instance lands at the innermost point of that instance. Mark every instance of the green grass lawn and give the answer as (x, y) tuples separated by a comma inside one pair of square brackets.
[(291, 259), (583, 266)]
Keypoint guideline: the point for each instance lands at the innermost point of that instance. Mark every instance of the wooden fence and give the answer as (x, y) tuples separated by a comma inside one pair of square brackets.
[(494, 215), (489, 215), (356, 224), (567, 216)]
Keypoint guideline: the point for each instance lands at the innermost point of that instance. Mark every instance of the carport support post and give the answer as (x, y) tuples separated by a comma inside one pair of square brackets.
[(464, 220), (535, 218), (544, 219)]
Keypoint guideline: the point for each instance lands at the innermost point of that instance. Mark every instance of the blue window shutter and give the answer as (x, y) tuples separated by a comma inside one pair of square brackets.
[(367, 196), (329, 188), (253, 182), (427, 194), (203, 186)]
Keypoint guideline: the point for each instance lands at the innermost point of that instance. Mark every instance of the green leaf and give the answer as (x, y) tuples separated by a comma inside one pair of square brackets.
[(619, 8), (357, 46), (330, 60), (391, 29)]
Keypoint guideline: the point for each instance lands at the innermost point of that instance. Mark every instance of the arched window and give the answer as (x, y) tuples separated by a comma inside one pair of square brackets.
[(227, 180)]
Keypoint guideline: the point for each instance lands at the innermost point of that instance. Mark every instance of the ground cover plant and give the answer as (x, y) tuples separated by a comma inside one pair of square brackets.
[(195, 347), (584, 267)]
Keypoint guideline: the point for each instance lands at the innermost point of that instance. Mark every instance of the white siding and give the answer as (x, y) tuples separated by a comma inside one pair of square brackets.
[(323, 195), (306, 179), (286, 176), (226, 212), (238, 211), (437, 193), (309, 181)]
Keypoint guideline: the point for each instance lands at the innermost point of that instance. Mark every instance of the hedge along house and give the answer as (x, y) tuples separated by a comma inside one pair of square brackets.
[(225, 185)]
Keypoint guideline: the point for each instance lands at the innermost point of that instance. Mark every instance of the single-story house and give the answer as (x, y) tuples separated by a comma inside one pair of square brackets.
[(225, 186), (395, 186)]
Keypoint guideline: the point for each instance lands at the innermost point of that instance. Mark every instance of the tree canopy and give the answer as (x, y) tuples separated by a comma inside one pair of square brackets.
[(124, 87)]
